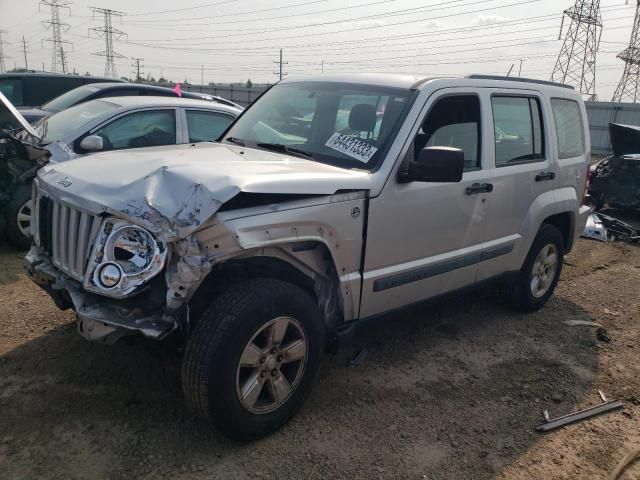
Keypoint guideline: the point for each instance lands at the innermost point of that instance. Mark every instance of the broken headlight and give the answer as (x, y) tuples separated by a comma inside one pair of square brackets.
[(124, 257)]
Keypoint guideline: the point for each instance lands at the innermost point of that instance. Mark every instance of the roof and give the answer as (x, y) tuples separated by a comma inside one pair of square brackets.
[(414, 81), (151, 101), (133, 86), (394, 80)]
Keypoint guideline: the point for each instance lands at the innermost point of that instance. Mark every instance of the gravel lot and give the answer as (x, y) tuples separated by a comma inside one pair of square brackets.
[(448, 391)]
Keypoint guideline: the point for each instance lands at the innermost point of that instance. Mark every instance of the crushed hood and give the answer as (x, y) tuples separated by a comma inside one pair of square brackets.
[(180, 187), (625, 139)]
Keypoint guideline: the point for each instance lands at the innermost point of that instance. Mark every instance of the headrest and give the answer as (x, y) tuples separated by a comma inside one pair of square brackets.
[(362, 118)]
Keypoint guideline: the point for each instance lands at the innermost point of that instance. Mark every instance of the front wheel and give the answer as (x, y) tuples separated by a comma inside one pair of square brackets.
[(18, 215), (540, 273), (253, 358)]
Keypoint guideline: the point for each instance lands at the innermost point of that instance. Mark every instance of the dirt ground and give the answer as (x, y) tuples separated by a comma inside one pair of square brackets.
[(448, 391)]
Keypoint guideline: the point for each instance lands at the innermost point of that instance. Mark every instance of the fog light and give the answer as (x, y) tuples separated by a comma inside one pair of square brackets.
[(109, 275)]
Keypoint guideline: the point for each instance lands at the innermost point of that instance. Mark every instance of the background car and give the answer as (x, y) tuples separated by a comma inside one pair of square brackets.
[(112, 89), (113, 124), (30, 89)]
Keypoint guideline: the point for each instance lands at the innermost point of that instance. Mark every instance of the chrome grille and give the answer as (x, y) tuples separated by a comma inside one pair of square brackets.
[(69, 237)]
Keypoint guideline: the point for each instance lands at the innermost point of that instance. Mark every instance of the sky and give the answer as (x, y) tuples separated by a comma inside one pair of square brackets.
[(226, 41)]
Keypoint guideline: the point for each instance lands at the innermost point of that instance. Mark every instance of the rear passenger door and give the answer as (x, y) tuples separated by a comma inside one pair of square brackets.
[(523, 170)]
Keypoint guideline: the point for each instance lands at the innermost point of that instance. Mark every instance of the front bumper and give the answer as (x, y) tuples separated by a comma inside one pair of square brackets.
[(102, 319)]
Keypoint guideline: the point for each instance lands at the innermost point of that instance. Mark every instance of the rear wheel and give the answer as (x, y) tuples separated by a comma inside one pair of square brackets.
[(252, 360), (540, 273), (18, 215)]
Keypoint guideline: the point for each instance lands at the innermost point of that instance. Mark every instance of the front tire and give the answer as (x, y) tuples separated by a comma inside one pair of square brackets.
[(540, 273), (18, 215), (253, 358)]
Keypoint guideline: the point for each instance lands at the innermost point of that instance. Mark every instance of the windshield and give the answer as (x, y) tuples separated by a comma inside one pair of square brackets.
[(57, 126), (342, 124), (72, 97)]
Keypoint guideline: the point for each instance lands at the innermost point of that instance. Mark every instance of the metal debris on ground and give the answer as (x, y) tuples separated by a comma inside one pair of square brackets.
[(602, 335), (359, 358), (608, 229), (587, 323), (605, 406)]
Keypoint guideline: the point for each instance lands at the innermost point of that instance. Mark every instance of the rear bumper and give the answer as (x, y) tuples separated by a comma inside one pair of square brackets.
[(581, 221), (102, 319)]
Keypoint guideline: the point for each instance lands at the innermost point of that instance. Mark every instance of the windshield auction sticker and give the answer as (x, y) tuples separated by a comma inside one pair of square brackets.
[(351, 146)]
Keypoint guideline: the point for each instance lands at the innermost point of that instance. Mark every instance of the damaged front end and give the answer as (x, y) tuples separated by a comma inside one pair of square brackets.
[(129, 242), (615, 180)]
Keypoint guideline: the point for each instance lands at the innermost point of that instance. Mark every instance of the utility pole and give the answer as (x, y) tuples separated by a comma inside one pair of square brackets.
[(520, 69), (280, 65), (25, 51), (136, 65), (58, 59), (628, 88), (108, 33), (3, 57), (576, 63), (322, 66)]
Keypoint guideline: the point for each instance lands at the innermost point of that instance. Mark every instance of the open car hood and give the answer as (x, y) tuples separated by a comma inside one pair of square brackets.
[(625, 139), (11, 119), (172, 190)]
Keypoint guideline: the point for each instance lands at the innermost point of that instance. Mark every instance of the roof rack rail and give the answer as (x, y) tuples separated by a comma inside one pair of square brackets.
[(520, 79)]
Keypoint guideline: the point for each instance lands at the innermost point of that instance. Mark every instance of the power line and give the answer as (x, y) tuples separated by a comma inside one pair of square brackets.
[(280, 64), (108, 33), (58, 56), (576, 63), (136, 66), (183, 9), (628, 87)]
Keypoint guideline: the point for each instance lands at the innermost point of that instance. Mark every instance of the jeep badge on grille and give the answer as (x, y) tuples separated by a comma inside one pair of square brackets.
[(65, 182)]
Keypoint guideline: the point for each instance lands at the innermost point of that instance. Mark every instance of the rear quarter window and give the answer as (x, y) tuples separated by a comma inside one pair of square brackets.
[(39, 90), (12, 89), (569, 127)]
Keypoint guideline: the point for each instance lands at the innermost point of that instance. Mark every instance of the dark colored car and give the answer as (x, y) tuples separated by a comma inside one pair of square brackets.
[(615, 180), (31, 89)]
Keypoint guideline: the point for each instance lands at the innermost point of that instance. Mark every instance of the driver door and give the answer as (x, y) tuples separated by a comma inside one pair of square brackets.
[(425, 239)]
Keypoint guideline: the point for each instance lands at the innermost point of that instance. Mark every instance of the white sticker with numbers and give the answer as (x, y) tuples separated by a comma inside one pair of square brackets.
[(353, 147)]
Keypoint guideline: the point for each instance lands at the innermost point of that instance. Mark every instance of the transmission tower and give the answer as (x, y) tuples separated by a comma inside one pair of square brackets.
[(58, 56), (25, 50), (628, 88), (3, 57), (108, 33), (576, 64)]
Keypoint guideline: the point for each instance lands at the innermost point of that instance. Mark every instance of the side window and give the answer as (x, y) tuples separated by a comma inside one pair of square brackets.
[(518, 130), (206, 126), (140, 129), (12, 89), (119, 92), (569, 128), (453, 122)]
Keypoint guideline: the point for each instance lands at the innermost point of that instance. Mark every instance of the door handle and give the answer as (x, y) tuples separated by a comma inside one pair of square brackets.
[(541, 177), (479, 188)]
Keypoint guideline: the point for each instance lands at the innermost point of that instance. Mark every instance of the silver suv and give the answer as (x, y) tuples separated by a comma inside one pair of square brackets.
[(331, 199)]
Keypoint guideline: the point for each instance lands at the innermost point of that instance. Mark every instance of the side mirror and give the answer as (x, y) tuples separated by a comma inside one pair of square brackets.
[(92, 143), (437, 165)]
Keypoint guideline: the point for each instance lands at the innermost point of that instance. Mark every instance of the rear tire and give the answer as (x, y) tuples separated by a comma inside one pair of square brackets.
[(233, 377), (540, 273), (17, 225)]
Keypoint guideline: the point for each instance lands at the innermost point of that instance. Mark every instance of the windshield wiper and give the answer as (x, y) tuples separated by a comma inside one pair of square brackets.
[(235, 140), (279, 147)]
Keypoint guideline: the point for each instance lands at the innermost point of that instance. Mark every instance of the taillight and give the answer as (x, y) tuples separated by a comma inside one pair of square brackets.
[(587, 180)]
